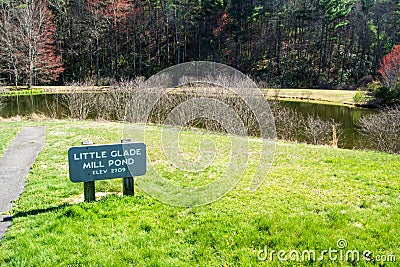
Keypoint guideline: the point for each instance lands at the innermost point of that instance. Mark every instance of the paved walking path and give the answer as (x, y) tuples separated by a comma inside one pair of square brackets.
[(15, 165)]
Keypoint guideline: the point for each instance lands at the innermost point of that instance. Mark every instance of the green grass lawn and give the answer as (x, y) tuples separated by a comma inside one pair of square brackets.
[(312, 197), (7, 133)]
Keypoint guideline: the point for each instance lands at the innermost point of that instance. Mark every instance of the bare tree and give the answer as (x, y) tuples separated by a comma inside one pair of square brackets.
[(9, 54), (27, 42), (80, 103), (112, 105), (319, 132), (382, 130), (288, 122)]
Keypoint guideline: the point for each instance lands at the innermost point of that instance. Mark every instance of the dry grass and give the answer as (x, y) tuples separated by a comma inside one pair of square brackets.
[(343, 97), (32, 117)]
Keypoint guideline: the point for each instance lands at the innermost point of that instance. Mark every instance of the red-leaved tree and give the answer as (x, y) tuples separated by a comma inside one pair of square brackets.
[(390, 67), (28, 43), (114, 11), (48, 63)]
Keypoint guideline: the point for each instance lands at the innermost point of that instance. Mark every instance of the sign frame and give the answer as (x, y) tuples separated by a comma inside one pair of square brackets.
[(89, 163)]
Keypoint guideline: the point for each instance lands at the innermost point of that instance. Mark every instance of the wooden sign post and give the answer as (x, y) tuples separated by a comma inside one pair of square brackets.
[(127, 182), (89, 188), (89, 163), (127, 186)]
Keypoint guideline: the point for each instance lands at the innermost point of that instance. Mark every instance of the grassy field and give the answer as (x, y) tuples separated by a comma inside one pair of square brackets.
[(313, 197), (341, 97)]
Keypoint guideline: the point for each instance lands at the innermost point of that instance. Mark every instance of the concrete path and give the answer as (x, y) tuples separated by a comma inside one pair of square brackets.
[(15, 165)]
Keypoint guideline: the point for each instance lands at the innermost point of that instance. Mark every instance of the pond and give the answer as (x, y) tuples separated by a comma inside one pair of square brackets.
[(26, 105), (348, 117), (51, 105)]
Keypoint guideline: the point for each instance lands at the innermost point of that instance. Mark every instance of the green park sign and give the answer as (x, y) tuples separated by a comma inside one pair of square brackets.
[(90, 163)]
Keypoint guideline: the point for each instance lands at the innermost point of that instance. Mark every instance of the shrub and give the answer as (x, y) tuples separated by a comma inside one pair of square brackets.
[(292, 126), (372, 86), (79, 103), (112, 104), (319, 132), (382, 130), (288, 122), (359, 97), (387, 95), (82, 101)]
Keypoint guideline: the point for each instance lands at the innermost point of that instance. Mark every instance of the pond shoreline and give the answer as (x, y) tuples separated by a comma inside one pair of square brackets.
[(318, 96), (322, 102), (54, 106)]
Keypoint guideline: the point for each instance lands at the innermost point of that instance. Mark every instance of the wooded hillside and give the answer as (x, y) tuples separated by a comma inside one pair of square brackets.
[(303, 43)]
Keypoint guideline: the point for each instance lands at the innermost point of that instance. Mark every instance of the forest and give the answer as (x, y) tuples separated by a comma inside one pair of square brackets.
[(278, 43)]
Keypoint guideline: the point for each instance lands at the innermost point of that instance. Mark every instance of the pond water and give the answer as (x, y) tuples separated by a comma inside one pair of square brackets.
[(26, 105), (348, 118), (52, 104)]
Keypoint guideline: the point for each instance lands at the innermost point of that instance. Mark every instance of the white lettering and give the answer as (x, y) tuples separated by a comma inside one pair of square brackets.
[(119, 162), (98, 172), (115, 153), (90, 155), (93, 165), (86, 165), (126, 152)]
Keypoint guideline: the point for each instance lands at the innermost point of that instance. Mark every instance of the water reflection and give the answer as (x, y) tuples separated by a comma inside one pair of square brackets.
[(346, 116)]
